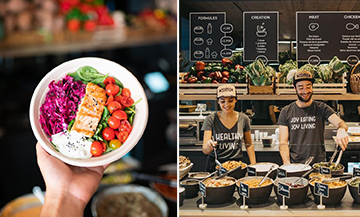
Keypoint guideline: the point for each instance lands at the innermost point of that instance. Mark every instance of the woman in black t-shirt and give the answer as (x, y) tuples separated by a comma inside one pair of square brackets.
[(224, 131)]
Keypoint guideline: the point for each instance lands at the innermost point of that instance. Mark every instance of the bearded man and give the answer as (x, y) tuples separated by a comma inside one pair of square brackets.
[(302, 124)]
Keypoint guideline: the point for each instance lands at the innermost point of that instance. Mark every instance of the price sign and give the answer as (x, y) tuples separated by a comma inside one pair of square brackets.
[(324, 170), (322, 35), (356, 171), (208, 36), (244, 190), (251, 171), (202, 188), (321, 189), (284, 190), (281, 173)]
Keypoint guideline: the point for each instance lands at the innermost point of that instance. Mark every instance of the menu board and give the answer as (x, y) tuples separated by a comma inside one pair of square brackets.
[(261, 35), (209, 39), (322, 35)]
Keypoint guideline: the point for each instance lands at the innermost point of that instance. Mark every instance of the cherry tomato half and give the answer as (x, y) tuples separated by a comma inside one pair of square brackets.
[(115, 144), (127, 101), (120, 114), (96, 148), (112, 89), (109, 100), (104, 146), (114, 122), (126, 92), (113, 106), (122, 135), (108, 133), (118, 98), (109, 80), (125, 126)]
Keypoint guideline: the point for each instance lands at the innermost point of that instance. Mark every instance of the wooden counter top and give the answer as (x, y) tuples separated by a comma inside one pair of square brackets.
[(346, 208)]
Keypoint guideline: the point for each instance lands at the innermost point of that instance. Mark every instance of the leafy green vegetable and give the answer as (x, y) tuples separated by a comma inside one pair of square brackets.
[(71, 123), (260, 74), (284, 70), (325, 73)]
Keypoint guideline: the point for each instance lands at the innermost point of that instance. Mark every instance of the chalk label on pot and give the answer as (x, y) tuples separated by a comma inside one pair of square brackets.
[(202, 188), (284, 190), (251, 171), (324, 170), (244, 190), (281, 173), (356, 172), (321, 189), (222, 170)]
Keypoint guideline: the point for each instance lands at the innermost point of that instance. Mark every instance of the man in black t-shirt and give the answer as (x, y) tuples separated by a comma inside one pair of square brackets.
[(302, 124)]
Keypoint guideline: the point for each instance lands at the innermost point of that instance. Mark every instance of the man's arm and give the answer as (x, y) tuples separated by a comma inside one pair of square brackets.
[(283, 144), (272, 114), (249, 147), (342, 137)]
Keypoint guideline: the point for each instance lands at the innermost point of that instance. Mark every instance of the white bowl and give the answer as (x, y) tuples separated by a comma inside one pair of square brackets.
[(103, 66)]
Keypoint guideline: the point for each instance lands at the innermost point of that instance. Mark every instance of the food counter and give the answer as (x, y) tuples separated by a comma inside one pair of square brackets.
[(346, 208)]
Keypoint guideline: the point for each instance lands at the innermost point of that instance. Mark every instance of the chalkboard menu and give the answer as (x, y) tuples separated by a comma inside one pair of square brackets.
[(322, 35), (261, 34), (209, 39)]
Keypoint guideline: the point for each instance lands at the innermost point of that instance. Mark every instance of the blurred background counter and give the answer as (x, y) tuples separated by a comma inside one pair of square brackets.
[(139, 35)]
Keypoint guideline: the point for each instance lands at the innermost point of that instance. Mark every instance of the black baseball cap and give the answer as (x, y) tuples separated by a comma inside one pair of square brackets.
[(303, 76)]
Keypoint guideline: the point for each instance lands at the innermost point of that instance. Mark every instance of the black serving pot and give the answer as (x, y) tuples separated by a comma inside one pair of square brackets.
[(238, 172), (219, 195), (263, 167), (191, 188), (333, 172), (297, 194), (335, 194), (296, 172), (182, 193), (258, 195), (354, 189)]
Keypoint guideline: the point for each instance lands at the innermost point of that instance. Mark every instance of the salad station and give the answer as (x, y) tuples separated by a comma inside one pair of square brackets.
[(269, 41), (270, 188)]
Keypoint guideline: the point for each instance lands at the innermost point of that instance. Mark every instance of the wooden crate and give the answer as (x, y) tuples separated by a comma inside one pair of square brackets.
[(261, 89), (319, 89)]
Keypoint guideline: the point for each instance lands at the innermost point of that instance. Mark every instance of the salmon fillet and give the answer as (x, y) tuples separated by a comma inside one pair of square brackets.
[(90, 110)]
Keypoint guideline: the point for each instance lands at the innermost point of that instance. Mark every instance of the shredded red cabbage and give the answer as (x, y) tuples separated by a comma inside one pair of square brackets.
[(61, 104)]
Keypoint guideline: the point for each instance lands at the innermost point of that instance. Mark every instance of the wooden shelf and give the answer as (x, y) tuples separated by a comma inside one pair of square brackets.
[(347, 96), (67, 42)]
